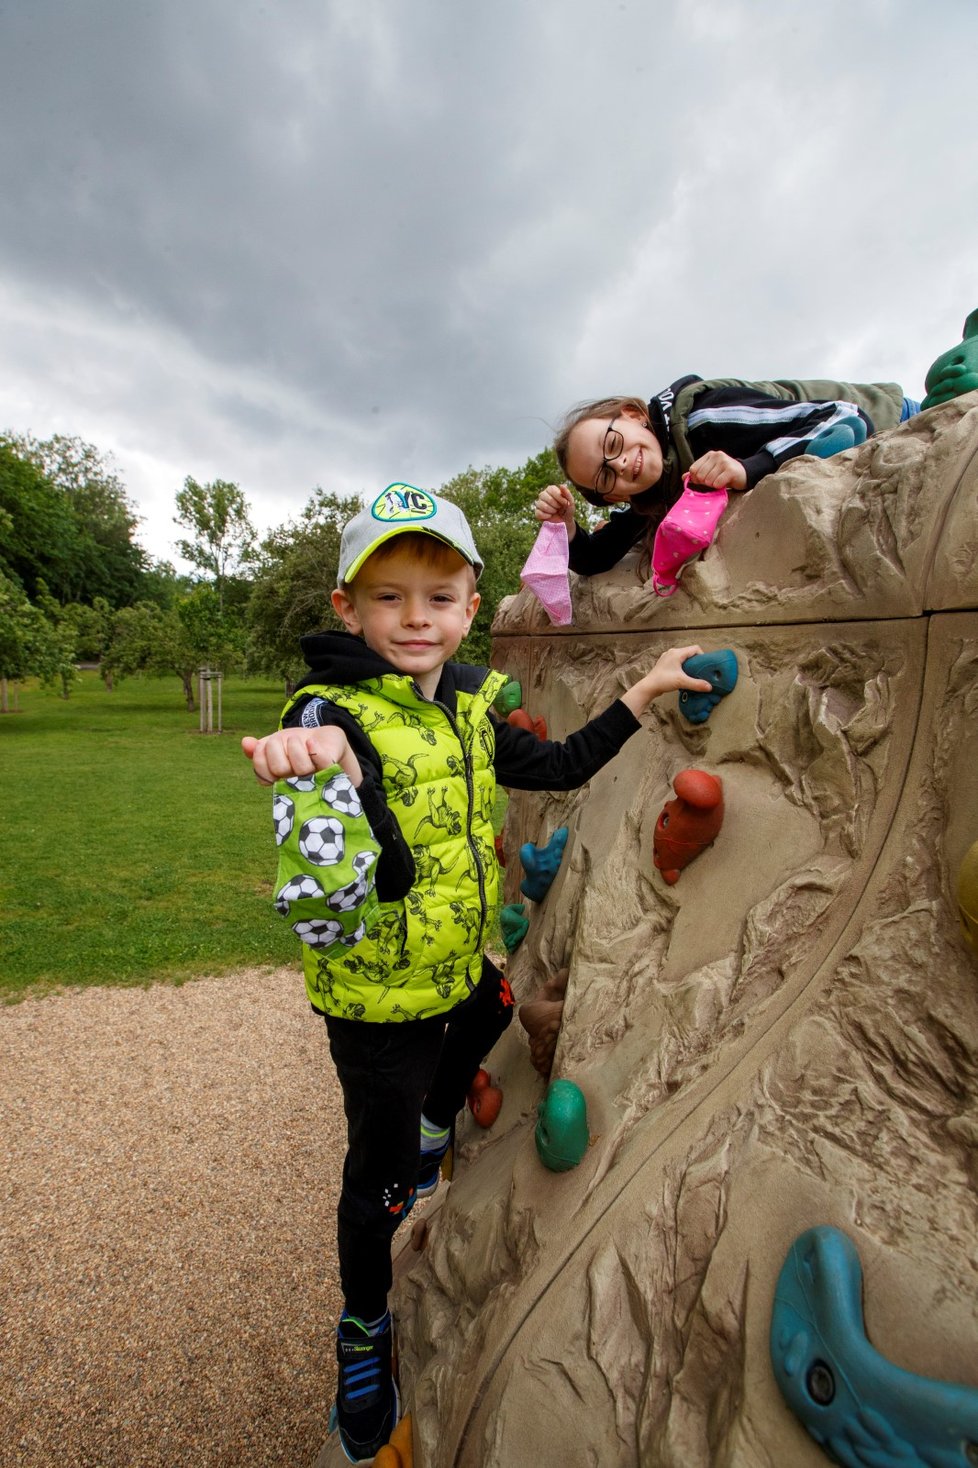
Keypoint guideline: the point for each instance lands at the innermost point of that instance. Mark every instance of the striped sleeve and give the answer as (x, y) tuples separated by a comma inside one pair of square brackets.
[(762, 432)]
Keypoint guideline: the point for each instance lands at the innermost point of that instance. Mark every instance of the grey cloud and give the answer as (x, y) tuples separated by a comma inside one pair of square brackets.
[(325, 242)]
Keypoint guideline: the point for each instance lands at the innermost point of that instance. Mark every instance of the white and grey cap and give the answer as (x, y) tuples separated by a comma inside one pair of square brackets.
[(401, 507)]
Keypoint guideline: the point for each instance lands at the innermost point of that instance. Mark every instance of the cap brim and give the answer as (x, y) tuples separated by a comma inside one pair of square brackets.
[(357, 564)]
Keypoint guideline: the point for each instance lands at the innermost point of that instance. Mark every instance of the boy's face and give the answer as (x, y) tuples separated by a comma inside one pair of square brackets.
[(412, 612), (623, 451)]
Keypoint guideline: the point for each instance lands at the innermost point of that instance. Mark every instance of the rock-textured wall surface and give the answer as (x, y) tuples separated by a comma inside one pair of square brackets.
[(788, 1036)]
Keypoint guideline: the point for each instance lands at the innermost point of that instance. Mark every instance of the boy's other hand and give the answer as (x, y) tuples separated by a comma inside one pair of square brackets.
[(301, 752), (666, 676), (556, 503), (718, 471)]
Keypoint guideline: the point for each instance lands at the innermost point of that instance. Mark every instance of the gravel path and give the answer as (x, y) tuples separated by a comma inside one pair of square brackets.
[(169, 1167)]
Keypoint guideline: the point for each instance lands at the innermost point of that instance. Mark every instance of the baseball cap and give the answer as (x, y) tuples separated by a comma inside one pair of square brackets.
[(402, 507)]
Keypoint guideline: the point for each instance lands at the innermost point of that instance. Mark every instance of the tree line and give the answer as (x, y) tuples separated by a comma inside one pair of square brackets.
[(75, 586)]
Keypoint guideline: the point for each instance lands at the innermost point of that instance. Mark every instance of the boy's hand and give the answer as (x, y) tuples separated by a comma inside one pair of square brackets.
[(301, 752), (556, 503), (719, 471), (666, 676)]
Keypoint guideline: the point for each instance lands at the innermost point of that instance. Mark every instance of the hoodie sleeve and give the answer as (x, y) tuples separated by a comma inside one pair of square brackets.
[(524, 762), (593, 551)]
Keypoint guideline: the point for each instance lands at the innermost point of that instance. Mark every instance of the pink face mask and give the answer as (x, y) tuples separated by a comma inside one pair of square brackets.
[(545, 572), (684, 533)]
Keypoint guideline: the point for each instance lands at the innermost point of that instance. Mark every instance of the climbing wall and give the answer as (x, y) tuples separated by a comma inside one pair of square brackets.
[(786, 1037)]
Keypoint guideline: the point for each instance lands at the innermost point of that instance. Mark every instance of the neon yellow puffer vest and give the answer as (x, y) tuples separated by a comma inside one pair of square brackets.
[(422, 956)]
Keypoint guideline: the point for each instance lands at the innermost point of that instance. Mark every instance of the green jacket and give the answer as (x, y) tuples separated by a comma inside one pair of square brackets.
[(385, 961), (881, 402)]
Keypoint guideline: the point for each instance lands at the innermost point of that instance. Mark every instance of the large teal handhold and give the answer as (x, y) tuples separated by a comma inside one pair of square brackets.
[(541, 864), (561, 1132), (720, 671), (513, 923), (955, 372), (860, 1408)]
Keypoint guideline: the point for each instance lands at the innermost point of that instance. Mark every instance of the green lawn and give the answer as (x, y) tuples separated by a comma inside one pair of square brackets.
[(132, 847)]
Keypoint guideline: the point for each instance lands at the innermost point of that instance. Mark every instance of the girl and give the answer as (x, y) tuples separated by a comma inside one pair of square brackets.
[(726, 433)]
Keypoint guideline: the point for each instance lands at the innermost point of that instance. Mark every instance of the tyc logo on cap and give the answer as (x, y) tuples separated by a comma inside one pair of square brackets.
[(402, 502)]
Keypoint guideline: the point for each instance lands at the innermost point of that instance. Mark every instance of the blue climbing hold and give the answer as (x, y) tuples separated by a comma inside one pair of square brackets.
[(720, 671), (862, 1410), (541, 864)]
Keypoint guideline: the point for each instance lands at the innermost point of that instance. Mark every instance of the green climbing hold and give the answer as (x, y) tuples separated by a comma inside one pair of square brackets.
[(561, 1131), (514, 923), (509, 697), (955, 372)]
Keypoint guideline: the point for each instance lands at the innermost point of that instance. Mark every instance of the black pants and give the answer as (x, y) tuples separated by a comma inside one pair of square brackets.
[(390, 1073)]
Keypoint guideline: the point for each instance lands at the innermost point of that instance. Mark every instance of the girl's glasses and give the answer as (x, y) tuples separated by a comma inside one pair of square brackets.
[(613, 448)]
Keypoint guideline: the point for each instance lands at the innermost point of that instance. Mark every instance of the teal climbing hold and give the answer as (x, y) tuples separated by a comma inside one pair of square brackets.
[(561, 1134), (861, 1409), (513, 923), (541, 864), (720, 671), (835, 438)]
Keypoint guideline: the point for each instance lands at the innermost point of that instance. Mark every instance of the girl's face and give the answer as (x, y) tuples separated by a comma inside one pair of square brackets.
[(617, 457)]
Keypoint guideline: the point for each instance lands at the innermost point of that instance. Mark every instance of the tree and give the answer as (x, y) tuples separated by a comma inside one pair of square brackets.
[(25, 638), (161, 584), (498, 506), (178, 640), (84, 546), (295, 573), (148, 639), (135, 632), (224, 538), (213, 635), (39, 538), (93, 628), (61, 646)]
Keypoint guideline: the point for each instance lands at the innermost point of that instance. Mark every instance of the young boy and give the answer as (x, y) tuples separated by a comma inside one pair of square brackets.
[(386, 761)]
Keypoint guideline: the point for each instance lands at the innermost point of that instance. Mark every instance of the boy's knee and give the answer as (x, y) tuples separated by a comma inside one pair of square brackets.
[(494, 993), (378, 1209)]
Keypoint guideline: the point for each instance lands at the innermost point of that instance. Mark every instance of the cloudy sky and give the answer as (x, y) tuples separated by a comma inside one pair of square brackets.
[(343, 242)]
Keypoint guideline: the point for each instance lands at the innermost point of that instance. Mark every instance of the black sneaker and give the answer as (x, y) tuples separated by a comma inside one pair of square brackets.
[(430, 1169), (367, 1404)]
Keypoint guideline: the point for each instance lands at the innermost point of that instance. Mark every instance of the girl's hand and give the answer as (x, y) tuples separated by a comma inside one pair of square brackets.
[(301, 752), (556, 503), (719, 471), (666, 676)]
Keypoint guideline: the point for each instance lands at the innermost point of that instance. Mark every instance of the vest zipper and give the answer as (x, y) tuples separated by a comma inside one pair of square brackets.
[(469, 811)]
